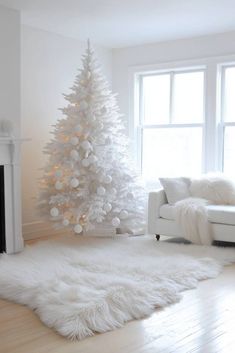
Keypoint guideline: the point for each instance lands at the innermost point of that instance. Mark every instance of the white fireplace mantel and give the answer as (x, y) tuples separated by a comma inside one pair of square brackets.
[(10, 159)]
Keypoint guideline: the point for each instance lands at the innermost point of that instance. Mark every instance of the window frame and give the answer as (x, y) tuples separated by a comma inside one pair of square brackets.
[(213, 130), (141, 126), (223, 123)]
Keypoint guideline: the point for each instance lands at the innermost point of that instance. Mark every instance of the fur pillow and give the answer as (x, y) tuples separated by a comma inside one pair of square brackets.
[(176, 189), (217, 189)]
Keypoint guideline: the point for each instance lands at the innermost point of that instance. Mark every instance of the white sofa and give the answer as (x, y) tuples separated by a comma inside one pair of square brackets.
[(161, 218)]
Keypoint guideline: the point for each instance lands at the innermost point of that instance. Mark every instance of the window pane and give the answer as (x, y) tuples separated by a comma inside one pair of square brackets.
[(188, 97), (229, 150), (156, 99), (171, 151), (229, 94)]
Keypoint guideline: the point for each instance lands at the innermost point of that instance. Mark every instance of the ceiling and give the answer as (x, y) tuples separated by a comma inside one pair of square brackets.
[(121, 23)]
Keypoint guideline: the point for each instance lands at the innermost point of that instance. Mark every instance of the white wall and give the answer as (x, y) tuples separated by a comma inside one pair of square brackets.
[(49, 66), (123, 59), (10, 66)]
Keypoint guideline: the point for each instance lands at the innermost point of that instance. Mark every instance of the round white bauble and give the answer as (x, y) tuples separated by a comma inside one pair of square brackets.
[(58, 185), (123, 214), (83, 105), (74, 182), (54, 212), (74, 140), (74, 155), (94, 168), (92, 158), (101, 191), (85, 162), (58, 173), (108, 179), (116, 222), (113, 191), (101, 177), (107, 207), (77, 228), (130, 196), (65, 222), (86, 145)]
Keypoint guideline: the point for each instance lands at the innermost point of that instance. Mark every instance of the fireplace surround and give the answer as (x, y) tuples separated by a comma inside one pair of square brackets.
[(11, 240)]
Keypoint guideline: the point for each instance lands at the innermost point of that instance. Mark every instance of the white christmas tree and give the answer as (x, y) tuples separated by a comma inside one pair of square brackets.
[(89, 178)]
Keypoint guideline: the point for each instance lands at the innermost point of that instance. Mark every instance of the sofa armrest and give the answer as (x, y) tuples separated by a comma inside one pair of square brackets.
[(156, 199)]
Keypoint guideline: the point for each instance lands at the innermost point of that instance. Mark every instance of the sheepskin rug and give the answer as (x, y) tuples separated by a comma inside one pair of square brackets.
[(81, 286)]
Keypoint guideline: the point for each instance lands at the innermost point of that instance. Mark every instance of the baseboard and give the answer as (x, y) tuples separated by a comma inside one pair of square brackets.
[(39, 229)]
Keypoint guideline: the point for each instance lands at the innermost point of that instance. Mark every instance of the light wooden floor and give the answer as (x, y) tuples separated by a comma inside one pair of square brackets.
[(203, 321)]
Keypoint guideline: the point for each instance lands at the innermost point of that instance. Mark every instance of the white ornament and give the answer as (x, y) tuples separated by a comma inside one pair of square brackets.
[(92, 158), (116, 222), (101, 191), (83, 105), (108, 179), (113, 191), (107, 207), (77, 228), (74, 155), (65, 222), (74, 140), (58, 173), (58, 185), (94, 168), (54, 212), (86, 145), (74, 182), (130, 196), (99, 219), (123, 214), (104, 110), (85, 162), (101, 177)]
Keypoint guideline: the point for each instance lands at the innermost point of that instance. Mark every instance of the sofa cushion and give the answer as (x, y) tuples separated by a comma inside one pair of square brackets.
[(216, 213), (176, 189), (167, 211), (221, 214)]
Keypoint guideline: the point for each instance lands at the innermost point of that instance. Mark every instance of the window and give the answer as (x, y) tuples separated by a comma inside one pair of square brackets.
[(228, 119), (171, 123)]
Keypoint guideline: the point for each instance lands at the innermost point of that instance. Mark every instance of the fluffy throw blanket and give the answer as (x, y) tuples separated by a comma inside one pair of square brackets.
[(191, 213)]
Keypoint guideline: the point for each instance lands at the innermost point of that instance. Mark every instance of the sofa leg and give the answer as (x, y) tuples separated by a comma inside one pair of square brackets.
[(157, 237)]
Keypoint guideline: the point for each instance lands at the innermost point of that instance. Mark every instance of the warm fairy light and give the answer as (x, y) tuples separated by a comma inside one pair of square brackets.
[(83, 219)]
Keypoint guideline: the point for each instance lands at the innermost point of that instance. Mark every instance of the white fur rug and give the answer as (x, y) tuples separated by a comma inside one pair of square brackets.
[(86, 285)]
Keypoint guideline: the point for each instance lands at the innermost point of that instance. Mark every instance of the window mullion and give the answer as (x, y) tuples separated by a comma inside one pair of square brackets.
[(140, 125), (221, 124), (172, 79)]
